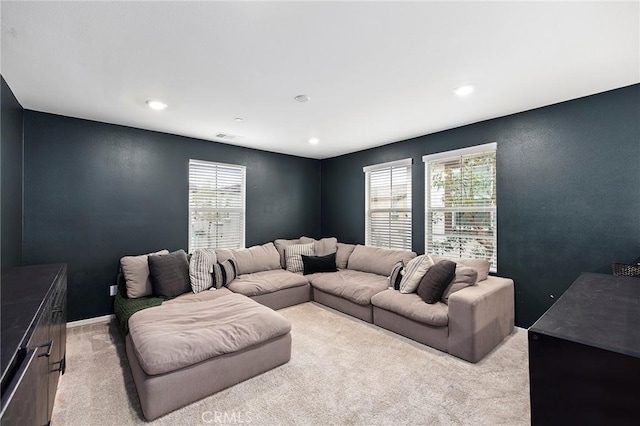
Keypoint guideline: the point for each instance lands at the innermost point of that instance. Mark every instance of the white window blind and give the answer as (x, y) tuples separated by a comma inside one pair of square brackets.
[(216, 205), (460, 207), (388, 205)]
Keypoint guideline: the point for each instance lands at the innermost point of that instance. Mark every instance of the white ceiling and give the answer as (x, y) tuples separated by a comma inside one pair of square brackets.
[(376, 72)]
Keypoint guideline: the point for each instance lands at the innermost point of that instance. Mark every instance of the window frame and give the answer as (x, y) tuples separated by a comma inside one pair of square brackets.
[(404, 163), (493, 210), (242, 209)]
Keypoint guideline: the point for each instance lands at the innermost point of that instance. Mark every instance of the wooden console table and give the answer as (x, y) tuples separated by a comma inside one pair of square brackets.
[(34, 330), (584, 354)]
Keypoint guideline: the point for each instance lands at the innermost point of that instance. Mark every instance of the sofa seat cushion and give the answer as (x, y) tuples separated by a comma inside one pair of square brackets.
[(200, 297), (355, 286), (413, 307), (173, 336), (266, 282)]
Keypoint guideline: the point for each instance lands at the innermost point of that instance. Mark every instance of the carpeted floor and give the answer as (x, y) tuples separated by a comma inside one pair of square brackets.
[(343, 371)]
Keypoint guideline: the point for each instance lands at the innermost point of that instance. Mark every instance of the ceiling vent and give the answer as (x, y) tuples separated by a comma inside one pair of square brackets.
[(229, 137)]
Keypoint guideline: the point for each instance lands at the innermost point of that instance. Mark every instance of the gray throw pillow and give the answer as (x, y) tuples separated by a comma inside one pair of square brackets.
[(436, 280), (170, 274)]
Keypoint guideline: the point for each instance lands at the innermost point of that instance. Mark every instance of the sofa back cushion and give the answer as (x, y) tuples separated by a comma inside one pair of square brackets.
[(280, 246), (136, 274), (322, 247), (343, 251), (481, 265), (465, 277), (252, 259), (377, 260)]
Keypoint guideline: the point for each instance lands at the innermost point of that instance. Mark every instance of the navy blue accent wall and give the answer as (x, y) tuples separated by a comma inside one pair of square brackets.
[(568, 191), (95, 192), (11, 180)]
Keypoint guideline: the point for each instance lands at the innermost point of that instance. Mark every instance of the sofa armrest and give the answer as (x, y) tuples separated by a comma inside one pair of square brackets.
[(480, 317)]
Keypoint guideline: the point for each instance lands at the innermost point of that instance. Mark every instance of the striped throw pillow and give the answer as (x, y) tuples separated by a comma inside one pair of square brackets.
[(413, 273), (294, 254), (223, 273), (396, 276), (200, 267)]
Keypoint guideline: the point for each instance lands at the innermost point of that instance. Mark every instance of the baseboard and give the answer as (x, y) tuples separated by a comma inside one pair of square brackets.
[(89, 321)]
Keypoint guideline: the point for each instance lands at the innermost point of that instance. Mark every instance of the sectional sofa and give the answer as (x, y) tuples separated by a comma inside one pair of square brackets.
[(170, 370)]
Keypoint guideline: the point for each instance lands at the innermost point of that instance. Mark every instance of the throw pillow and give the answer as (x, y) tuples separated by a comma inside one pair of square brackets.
[(170, 274), (396, 276), (200, 267), (413, 273), (436, 281), (136, 274), (223, 273), (280, 246), (294, 254), (343, 251), (464, 277), (313, 264)]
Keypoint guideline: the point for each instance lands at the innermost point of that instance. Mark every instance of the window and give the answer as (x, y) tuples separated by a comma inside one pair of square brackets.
[(216, 205), (388, 205), (460, 207)]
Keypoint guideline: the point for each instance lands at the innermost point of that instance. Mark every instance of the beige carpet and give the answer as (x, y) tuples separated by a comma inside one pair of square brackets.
[(342, 372)]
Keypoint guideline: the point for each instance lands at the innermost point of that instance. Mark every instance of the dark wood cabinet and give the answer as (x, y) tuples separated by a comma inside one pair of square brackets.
[(584, 355), (33, 342)]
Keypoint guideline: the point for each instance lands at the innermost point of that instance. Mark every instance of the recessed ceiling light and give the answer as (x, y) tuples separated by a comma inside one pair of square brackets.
[(302, 98), (314, 141), (465, 90), (157, 105), (238, 119)]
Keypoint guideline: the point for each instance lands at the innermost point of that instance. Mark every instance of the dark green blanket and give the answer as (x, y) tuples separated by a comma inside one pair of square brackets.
[(125, 307)]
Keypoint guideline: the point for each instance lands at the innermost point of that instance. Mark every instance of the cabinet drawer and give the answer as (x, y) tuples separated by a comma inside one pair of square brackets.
[(18, 400)]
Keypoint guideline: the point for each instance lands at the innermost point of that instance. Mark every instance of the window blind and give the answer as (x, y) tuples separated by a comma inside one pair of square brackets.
[(460, 207), (216, 205), (388, 205)]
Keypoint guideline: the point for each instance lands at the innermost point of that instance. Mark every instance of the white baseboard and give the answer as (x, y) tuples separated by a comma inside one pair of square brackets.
[(88, 321)]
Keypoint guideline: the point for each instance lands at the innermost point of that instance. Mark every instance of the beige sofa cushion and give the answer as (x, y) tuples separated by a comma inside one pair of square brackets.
[(266, 282), (172, 336), (355, 286), (413, 307), (252, 259), (322, 247), (343, 251), (377, 260), (136, 274), (465, 277), (481, 265), (211, 294), (280, 246)]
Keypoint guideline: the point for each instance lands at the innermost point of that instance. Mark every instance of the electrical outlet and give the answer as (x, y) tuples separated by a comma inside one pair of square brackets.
[(113, 290)]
